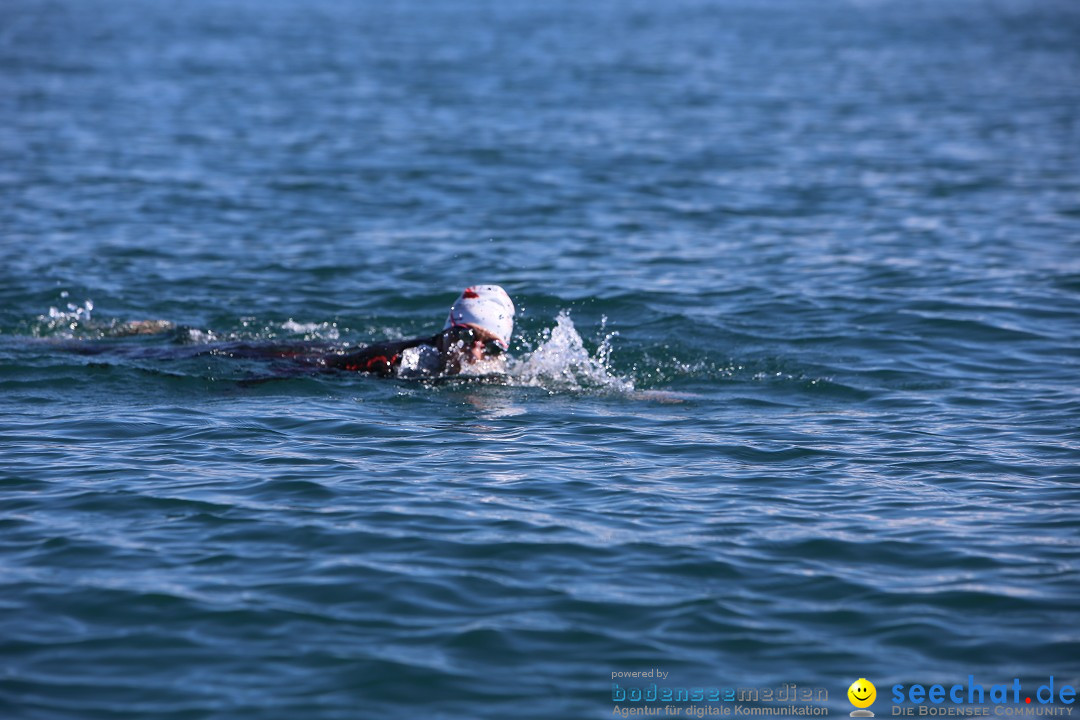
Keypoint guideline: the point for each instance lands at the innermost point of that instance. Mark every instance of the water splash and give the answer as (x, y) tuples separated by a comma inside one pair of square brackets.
[(64, 323), (562, 362)]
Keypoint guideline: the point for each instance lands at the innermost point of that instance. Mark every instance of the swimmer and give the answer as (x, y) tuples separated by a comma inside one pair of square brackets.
[(473, 341)]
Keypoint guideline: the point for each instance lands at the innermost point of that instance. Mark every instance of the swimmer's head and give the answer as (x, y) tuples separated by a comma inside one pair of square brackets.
[(485, 307)]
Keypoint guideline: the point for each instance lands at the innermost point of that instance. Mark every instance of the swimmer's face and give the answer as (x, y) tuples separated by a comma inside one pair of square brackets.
[(862, 693), (470, 345)]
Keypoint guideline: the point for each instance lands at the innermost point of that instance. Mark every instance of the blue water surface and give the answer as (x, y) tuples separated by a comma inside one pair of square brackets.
[(794, 396)]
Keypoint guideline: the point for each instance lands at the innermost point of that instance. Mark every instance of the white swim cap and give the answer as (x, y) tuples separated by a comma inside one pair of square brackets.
[(487, 307)]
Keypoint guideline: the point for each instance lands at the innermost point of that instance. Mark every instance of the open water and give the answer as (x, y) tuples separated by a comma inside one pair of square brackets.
[(795, 397)]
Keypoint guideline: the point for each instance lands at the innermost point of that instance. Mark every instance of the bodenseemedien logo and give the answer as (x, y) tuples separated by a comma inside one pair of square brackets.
[(862, 694)]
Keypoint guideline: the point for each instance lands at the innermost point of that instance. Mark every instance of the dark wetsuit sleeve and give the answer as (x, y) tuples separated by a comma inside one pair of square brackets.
[(380, 358)]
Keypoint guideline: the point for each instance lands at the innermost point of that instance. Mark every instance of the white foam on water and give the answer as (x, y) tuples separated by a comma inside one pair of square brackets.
[(562, 362), (312, 330)]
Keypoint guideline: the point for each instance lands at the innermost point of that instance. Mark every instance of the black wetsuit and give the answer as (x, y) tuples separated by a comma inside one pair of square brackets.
[(383, 359)]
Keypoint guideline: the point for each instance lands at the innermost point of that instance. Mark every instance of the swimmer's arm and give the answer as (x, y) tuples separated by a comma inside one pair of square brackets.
[(380, 359)]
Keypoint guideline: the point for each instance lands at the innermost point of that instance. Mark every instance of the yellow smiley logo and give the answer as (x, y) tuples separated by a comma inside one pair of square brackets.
[(862, 693)]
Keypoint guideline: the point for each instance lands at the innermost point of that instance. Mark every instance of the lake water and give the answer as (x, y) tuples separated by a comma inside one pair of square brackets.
[(795, 392)]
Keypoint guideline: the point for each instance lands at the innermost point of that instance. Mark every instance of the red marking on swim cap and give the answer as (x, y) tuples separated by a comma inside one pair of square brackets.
[(469, 293)]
